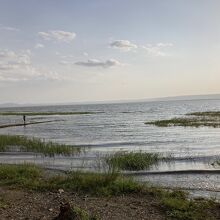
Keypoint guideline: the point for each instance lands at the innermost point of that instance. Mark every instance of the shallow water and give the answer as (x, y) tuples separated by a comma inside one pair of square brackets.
[(117, 127)]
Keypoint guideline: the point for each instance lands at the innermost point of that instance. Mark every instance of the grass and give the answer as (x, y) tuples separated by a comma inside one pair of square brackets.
[(45, 113), (175, 204), (32, 177), (36, 145), (194, 119), (185, 122), (81, 214), (3, 204), (216, 163), (132, 160), (208, 113)]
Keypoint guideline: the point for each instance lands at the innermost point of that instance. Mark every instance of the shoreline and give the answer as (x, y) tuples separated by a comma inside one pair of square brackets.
[(37, 194)]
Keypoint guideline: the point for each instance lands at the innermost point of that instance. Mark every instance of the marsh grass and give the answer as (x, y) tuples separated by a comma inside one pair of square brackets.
[(3, 203), (178, 207), (81, 214), (216, 163), (32, 177), (175, 204), (45, 113), (35, 145), (196, 119), (208, 113), (132, 160)]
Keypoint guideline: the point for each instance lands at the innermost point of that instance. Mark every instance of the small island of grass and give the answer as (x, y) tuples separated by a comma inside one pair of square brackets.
[(207, 113), (194, 119)]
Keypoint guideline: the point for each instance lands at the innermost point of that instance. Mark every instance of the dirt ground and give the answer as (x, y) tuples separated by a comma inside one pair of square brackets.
[(30, 205)]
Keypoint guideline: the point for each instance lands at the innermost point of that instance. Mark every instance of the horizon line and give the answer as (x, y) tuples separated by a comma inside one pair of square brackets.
[(166, 98)]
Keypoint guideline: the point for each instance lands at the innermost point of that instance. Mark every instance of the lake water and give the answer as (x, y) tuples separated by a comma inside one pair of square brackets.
[(120, 127)]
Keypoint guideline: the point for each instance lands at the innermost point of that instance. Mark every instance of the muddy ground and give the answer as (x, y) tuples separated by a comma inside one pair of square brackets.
[(18, 204)]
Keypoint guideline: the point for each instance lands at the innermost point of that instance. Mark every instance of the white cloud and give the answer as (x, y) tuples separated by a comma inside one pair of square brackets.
[(153, 50), (64, 62), (38, 46), (97, 63), (157, 50), (123, 45), (17, 66), (67, 56), (7, 28), (12, 59), (58, 35), (164, 44)]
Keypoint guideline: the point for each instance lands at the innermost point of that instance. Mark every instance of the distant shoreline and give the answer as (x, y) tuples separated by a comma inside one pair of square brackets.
[(123, 101)]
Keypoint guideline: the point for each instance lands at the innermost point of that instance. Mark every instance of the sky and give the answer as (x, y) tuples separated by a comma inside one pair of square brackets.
[(54, 51)]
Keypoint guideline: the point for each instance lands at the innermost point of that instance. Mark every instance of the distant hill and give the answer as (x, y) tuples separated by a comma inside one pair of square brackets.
[(171, 98), (6, 105), (189, 97)]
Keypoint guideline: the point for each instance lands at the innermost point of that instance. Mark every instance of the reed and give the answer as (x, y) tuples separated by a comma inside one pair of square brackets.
[(36, 145), (207, 113), (187, 122), (132, 160)]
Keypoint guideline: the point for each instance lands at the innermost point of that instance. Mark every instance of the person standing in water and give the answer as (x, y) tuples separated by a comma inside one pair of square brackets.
[(24, 119)]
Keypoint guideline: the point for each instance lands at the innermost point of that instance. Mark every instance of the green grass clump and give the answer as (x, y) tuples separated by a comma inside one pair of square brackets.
[(132, 160), (216, 163), (8, 142), (22, 175), (44, 113), (33, 177), (92, 183), (3, 204), (178, 207), (74, 212), (81, 214)]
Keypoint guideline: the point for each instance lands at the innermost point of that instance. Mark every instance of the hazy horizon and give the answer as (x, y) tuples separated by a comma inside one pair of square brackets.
[(157, 99), (90, 51)]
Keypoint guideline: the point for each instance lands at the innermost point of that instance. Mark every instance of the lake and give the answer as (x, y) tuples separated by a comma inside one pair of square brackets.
[(120, 127)]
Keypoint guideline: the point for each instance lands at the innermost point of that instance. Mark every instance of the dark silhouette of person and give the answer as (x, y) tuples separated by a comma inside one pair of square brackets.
[(24, 119)]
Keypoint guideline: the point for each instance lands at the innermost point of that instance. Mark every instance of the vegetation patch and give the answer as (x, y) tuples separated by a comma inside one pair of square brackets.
[(36, 145), (45, 113), (175, 204), (132, 160), (195, 119), (208, 113), (3, 204), (69, 212), (216, 163), (33, 177)]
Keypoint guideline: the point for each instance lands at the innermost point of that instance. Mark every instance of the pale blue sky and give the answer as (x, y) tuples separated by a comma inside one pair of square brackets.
[(88, 50)]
